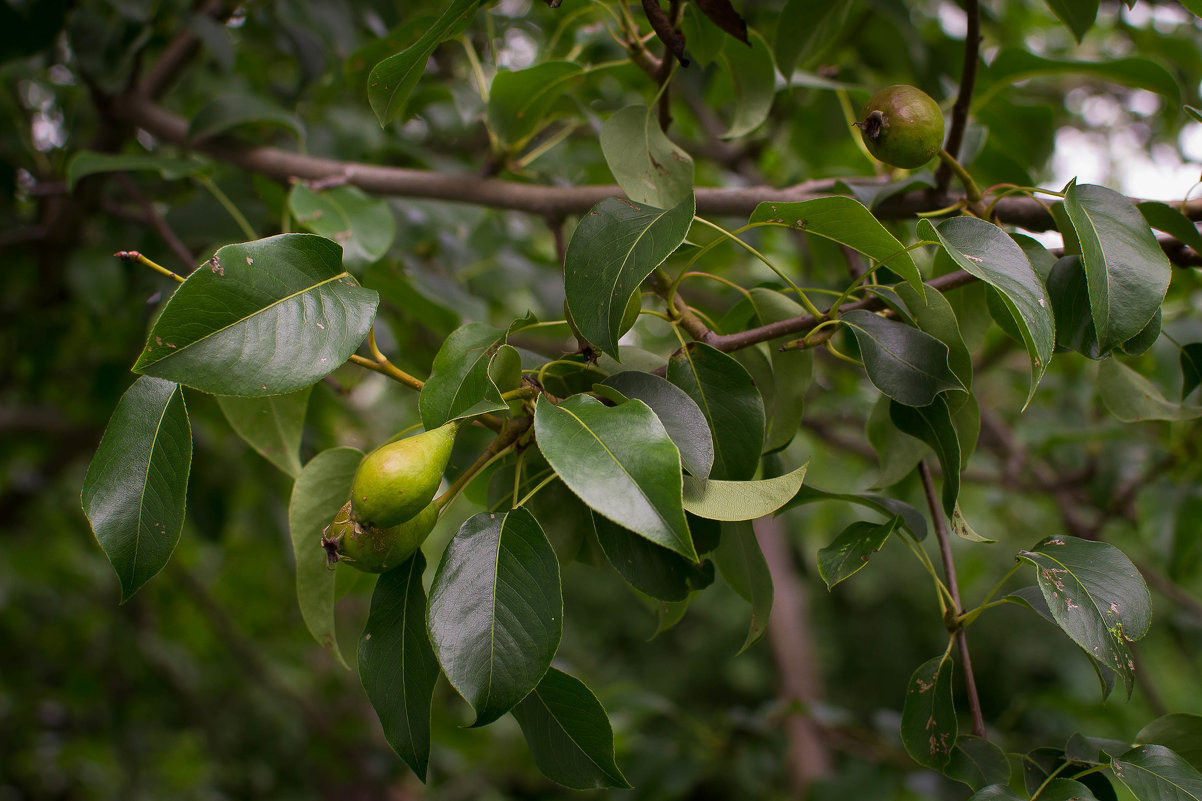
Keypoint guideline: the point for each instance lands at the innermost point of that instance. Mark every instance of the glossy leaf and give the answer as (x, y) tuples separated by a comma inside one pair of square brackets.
[(792, 370), (1016, 64), (393, 79), (754, 77), (849, 552), (230, 111), (271, 425), (261, 318), (848, 222), (649, 166), (397, 665), (1096, 596), (1179, 731), (928, 724), (519, 101), (732, 406), (1131, 397), (911, 518), (363, 225), (615, 247), (682, 418), (496, 610), (620, 462), (649, 568), (743, 567), (1069, 293), (88, 162), (908, 365), (137, 482), (1127, 272), (805, 29), (1155, 773), (933, 314), (569, 733), (978, 763), (933, 425), (985, 251), (714, 499), (320, 490), (1078, 15), (459, 385)]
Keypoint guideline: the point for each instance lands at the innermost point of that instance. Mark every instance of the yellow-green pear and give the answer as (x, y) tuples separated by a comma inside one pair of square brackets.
[(376, 550), (396, 481)]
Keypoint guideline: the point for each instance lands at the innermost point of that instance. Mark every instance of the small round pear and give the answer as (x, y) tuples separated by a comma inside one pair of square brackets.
[(376, 550), (902, 126), (396, 481)]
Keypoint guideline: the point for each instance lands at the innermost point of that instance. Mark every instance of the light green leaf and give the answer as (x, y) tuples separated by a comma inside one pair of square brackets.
[(928, 724), (320, 490), (615, 247), (1132, 398), (848, 222), (262, 318), (1096, 596), (393, 79), (739, 558), (137, 482), (363, 225), (908, 365), (519, 101), (569, 733), (397, 666), (985, 251), (849, 552), (88, 162), (271, 425), (754, 77), (1014, 64), (648, 166), (620, 462), (1127, 272), (496, 610), (740, 500)]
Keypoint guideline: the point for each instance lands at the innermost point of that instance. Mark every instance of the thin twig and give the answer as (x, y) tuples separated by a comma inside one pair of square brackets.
[(968, 79), (157, 222), (949, 569)]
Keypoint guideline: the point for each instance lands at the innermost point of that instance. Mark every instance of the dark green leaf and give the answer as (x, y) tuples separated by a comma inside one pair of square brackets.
[(393, 79), (1180, 731), (1191, 368), (1078, 15), (1066, 790), (649, 568), (928, 724), (682, 418), (569, 733), (615, 247), (620, 462), (806, 29), (996, 792), (848, 222), (933, 314), (714, 499), (1069, 294), (363, 225), (1164, 217), (519, 101), (261, 318), (320, 490), (744, 568), (230, 111), (1143, 341), (754, 77), (1096, 597), (397, 665), (933, 425), (732, 406), (271, 425), (982, 249), (649, 167), (908, 365), (459, 385), (849, 552), (87, 162), (1127, 272), (137, 483), (978, 763), (1131, 398), (496, 610), (1155, 773)]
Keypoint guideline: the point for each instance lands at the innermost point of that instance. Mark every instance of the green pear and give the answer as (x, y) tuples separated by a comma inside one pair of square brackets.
[(376, 550), (396, 481), (902, 126)]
